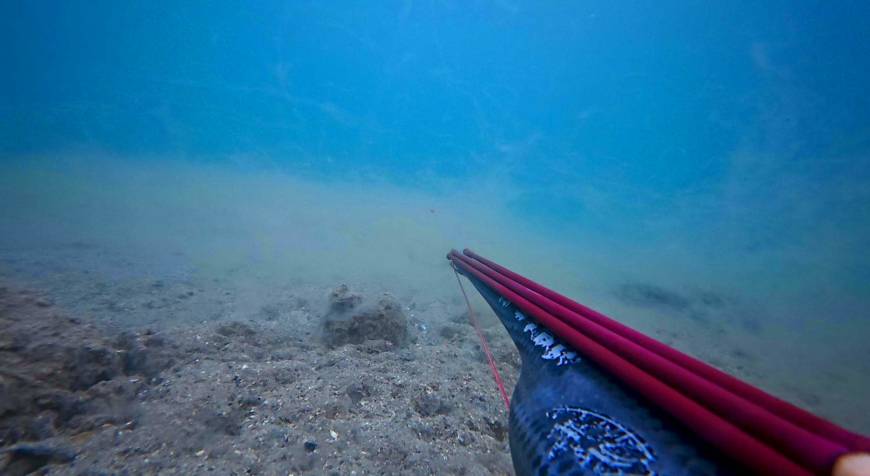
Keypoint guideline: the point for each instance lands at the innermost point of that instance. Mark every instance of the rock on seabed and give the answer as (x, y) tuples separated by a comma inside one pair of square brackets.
[(351, 320)]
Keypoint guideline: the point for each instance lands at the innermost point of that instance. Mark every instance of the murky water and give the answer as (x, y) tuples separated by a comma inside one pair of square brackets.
[(698, 171)]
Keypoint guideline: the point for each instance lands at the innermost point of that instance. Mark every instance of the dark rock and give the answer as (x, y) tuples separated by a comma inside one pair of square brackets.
[(424, 432), (135, 361), (229, 423), (249, 400), (302, 459), (154, 341), (375, 346), (235, 329), (332, 410), (12, 429), (342, 300), (119, 389), (496, 428), (65, 404), (42, 426), (280, 435), (26, 458), (91, 422), (26, 427), (9, 399), (449, 332), (144, 357), (91, 364), (358, 391), (428, 404), (284, 376), (383, 320), (407, 355)]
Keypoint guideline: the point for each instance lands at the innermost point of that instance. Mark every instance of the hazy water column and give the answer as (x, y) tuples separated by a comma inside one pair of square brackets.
[(719, 147)]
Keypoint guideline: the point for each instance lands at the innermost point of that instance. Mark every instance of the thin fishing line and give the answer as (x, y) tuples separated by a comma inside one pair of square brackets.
[(484, 344)]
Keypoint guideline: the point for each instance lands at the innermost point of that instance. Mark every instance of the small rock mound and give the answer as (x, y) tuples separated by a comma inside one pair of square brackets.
[(350, 320), (25, 459), (341, 299), (428, 405), (61, 376), (236, 329)]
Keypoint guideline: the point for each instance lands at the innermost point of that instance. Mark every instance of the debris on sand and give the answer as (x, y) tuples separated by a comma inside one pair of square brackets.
[(235, 329), (351, 321), (60, 376), (25, 459), (247, 394), (341, 299)]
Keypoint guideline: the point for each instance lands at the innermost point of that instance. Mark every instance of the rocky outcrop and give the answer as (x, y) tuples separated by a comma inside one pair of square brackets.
[(352, 320)]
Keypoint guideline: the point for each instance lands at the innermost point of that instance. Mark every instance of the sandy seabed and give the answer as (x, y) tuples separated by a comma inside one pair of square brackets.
[(170, 376), (179, 324)]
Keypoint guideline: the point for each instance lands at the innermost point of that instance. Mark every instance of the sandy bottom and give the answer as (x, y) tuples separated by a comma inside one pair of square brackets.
[(183, 376), (113, 364)]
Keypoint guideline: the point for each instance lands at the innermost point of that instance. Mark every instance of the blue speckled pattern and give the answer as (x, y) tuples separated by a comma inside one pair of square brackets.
[(569, 417)]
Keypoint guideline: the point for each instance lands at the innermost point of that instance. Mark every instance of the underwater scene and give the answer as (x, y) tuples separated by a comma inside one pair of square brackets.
[(224, 230)]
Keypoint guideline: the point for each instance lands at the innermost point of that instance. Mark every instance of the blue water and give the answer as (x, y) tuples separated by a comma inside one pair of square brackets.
[(614, 150)]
